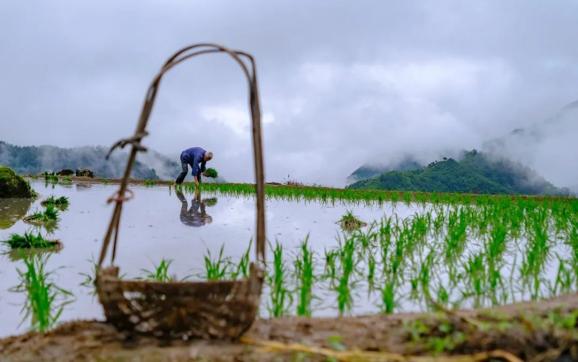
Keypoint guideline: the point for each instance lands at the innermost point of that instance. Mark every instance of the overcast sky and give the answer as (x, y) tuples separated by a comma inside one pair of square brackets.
[(343, 83)]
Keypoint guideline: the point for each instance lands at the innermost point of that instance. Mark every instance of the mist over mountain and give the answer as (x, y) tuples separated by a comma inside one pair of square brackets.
[(37, 159), (407, 163), (547, 147), (474, 172)]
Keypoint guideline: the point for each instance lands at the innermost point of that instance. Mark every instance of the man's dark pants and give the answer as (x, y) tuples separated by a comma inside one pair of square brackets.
[(183, 174)]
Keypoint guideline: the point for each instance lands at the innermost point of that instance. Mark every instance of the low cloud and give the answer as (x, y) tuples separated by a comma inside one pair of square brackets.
[(342, 84)]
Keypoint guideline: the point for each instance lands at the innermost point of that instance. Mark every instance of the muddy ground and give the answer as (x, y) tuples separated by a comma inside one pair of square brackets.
[(536, 331)]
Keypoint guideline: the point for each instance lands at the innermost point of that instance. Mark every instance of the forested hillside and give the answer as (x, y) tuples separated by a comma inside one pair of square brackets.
[(475, 172)]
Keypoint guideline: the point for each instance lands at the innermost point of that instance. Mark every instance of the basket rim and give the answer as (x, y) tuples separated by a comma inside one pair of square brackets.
[(115, 279)]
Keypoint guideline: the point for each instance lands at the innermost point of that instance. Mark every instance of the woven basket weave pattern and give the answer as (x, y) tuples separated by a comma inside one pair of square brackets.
[(208, 310)]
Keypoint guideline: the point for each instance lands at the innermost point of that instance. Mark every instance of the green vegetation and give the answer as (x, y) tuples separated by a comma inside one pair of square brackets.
[(90, 278), (304, 269), (346, 255), (160, 272), (50, 177), (474, 173), (370, 196), (47, 217), (241, 270), (61, 202), (30, 241), (211, 172), (489, 251), (66, 180), (278, 293), (13, 185), (44, 300), (350, 222), (217, 269)]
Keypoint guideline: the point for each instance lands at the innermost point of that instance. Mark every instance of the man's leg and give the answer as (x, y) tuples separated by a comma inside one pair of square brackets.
[(183, 174)]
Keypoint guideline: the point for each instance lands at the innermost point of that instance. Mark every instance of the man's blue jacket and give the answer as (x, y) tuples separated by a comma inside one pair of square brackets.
[(194, 156)]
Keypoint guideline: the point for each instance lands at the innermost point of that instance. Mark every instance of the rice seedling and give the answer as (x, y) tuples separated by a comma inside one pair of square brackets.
[(149, 183), (211, 172), (425, 270), (45, 301), (347, 265), (304, 269), (65, 180), (329, 195), (48, 216), (216, 269), (572, 241), (242, 268), (442, 295), (160, 272), (330, 264), (456, 236), (564, 278), (538, 245), (350, 222), (90, 278), (476, 272), (438, 222), (371, 270), (60, 203), (31, 241), (388, 297), (279, 297), (497, 243), (50, 177)]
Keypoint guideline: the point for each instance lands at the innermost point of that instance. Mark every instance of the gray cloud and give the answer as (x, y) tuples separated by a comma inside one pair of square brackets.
[(343, 83)]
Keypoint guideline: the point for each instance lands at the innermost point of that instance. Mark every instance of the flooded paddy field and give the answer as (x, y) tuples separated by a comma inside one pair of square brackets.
[(410, 255)]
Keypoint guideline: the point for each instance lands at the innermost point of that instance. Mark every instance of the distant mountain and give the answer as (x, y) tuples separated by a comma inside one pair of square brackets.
[(369, 171), (475, 172), (37, 159)]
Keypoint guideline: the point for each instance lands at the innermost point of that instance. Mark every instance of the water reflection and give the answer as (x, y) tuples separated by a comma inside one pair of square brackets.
[(23, 253), (80, 186), (12, 210), (196, 215)]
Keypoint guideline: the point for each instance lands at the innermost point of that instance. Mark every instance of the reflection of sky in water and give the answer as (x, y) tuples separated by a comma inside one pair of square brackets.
[(151, 229)]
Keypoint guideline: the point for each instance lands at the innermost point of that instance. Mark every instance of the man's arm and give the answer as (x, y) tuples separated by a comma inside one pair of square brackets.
[(195, 169)]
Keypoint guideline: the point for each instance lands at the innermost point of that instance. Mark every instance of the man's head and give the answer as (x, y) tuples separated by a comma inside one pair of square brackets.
[(208, 156)]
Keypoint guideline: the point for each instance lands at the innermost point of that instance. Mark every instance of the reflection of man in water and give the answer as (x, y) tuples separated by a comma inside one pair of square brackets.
[(196, 215)]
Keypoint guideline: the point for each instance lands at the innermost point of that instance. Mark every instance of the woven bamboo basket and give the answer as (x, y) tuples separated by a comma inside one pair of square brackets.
[(171, 310)]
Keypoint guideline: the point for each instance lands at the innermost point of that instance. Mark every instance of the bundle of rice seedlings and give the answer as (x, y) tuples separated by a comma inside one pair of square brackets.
[(211, 172), (30, 241)]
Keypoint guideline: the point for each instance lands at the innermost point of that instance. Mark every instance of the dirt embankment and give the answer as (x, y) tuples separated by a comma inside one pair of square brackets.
[(538, 331)]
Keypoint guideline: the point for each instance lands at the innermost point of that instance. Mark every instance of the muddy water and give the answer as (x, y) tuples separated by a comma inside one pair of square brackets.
[(158, 223)]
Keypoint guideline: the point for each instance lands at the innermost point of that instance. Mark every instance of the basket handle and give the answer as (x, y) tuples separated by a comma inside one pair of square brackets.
[(135, 141)]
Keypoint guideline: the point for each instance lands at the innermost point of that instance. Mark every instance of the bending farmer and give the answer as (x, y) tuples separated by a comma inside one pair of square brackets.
[(197, 158)]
